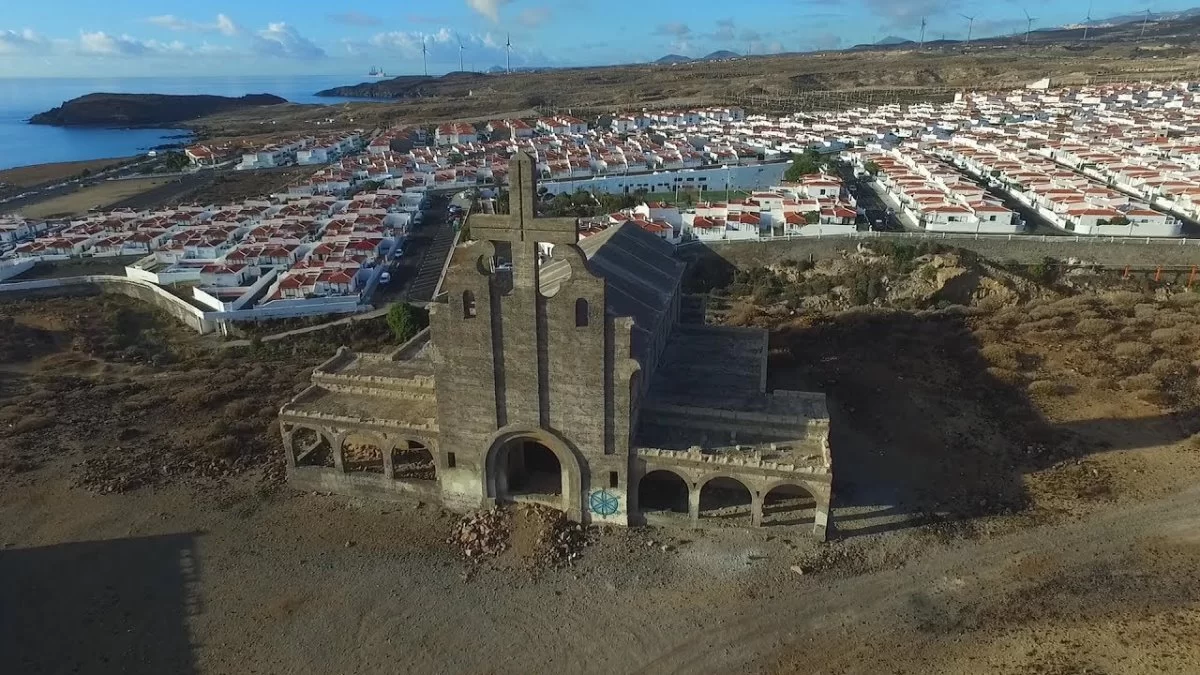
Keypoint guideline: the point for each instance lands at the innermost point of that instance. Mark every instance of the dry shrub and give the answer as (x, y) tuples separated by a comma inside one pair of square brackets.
[(1046, 312), (34, 423), (1090, 314), (1125, 300), (1133, 350), (1166, 368), (1009, 316), (1137, 322), (986, 336), (1167, 336), (1166, 319), (1189, 299), (1046, 324), (1046, 388), (1145, 310), (1140, 382), (1001, 356), (1006, 376), (1095, 327), (1152, 396)]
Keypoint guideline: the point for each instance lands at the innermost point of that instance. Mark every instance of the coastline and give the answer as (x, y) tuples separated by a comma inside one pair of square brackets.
[(32, 175)]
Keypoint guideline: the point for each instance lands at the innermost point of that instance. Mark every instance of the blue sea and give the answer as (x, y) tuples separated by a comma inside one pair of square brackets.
[(21, 98)]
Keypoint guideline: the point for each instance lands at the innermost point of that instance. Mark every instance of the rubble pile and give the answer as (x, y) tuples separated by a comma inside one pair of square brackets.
[(483, 534), (544, 536)]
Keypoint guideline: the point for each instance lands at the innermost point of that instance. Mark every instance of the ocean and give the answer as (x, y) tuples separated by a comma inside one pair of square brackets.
[(21, 98)]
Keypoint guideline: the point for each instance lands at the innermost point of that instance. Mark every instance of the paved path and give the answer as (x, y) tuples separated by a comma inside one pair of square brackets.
[(373, 314)]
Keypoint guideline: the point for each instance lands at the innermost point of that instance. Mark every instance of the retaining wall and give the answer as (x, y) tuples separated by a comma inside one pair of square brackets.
[(96, 284), (1027, 249)]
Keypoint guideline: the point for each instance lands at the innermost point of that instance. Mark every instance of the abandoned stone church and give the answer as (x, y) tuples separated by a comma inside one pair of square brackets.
[(567, 372)]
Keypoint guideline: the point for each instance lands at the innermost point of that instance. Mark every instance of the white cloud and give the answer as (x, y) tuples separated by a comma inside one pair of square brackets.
[(674, 29), (282, 40), (484, 51), (223, 25), (532, 17), (16, 42), (100, 43), (226, 26), (488, 8)]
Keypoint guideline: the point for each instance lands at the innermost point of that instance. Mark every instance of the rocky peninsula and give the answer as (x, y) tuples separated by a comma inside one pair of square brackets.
[(145, 110)]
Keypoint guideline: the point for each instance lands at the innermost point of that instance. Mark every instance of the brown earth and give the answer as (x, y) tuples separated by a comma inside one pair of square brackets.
[(99, 196), (856, 77), (37, 174), (1017, 493)]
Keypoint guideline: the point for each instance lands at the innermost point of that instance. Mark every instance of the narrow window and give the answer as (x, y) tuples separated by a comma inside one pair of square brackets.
[(450, 461), (468, 305), (614, 479), (581, 313)]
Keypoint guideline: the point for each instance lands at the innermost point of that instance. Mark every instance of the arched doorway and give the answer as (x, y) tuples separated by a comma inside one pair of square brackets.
[(663, 492), (312, 448), (726, 500), (789, 505), (535, 466), (531, 469), (362, 453), (411, 460)]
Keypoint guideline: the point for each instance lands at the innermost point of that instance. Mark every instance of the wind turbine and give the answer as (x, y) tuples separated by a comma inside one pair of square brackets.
[(921, 45), (970, 27), (1144, 22), (1028, 25), (508, 51), (424, 56), (1087, 23), (460, 53)]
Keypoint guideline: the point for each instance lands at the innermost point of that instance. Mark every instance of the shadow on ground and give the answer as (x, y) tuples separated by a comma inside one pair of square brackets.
[(922, 430), (118, 606)]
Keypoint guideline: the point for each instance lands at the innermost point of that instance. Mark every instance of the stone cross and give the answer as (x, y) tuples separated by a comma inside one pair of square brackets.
[(522, 228), (523, 225)]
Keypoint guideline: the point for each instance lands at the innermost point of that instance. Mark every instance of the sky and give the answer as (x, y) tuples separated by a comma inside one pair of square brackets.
[(86, 38)]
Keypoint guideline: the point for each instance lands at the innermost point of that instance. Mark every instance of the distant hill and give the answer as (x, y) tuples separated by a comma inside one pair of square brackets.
[(673, 58), (892, 40), (404, 86), (721, 55), (144, 110)]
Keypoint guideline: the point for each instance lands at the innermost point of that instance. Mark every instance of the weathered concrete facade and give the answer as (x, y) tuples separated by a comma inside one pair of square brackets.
[(557, 370)]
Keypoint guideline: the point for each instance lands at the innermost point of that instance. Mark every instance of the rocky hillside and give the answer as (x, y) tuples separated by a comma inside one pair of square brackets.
[(405, 86), (144, 110)]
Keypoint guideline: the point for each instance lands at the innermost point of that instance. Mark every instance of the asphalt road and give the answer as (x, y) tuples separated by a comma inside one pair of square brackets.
[(876, 210)]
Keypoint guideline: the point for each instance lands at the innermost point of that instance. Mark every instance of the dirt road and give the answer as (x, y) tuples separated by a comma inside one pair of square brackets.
[(242, 581)]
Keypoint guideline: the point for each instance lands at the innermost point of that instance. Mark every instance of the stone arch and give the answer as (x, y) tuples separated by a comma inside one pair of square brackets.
[(788, 503), (363, 452), (663, 491), (726, 498), (412, 460), (308, 446), (497, 467)]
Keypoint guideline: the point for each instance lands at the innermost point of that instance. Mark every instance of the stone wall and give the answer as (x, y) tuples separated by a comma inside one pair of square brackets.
[(92, 285), (1138, 253)]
